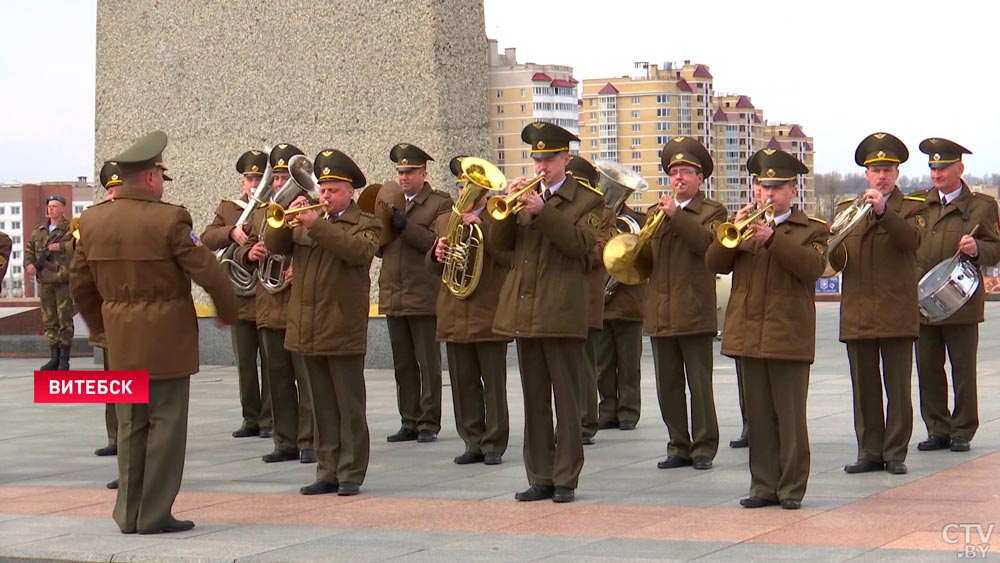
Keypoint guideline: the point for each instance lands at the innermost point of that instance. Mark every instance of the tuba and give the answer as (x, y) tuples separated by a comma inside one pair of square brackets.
[(463, 263), (300, 183), (242, 280), (843, 224), (617, 183)]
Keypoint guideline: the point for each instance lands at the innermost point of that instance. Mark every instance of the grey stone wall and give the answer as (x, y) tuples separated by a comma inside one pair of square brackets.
[(223, 77)]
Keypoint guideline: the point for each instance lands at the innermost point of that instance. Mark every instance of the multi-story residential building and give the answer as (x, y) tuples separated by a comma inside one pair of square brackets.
[(22, 207), (520, 94), (629, 119)]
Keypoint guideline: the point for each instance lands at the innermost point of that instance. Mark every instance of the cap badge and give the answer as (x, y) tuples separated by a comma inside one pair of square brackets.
[(404, 161), (879, 136), (326, 171), (936, 156), (282, 146), (769, 152), (114, 176), (254, 168), (327, 153), (255, 153), (880, 154), (540, 144), (678, 139), (770, 173), (281, 161), (538, 125), (113, 163), (403, 146), (678, 156)]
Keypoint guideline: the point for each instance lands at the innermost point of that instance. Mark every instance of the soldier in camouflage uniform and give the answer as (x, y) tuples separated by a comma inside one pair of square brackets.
[(47, 258)]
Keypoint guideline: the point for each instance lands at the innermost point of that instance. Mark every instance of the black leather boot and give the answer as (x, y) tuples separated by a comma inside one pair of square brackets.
[(53, 362), (64, 358)]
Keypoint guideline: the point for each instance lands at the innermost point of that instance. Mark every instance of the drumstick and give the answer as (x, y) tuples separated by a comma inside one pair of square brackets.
[(971, 234)]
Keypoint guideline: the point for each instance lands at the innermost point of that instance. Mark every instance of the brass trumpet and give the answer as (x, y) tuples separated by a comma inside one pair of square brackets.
[(277, 217), (730, 235), (501, 207)]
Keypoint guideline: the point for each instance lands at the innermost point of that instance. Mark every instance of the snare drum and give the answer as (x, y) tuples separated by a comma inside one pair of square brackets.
[(949, 285)]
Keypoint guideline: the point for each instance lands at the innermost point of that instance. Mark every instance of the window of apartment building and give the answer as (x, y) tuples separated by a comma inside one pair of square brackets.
[(15, 255), (16, 239), (662, 181), (523, 108), (663, 98), (524, 154), (635, 114), (15, 210), (636, 127), (593, 143), (637, 168), (15, 269), (499, 93), (499, 141), (635, 100), (77, 209), (662, 112), (637, 196), (636, 141), (662, 126), (524, 171), (15, 225), (661, 140), (3, 225), (636, 155), (499, 109), (522, 92), (3, 210), (593, 129), (500, 124)]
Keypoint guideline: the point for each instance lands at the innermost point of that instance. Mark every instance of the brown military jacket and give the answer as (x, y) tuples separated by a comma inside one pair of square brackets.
[(597, 277), (545, 293), (625, 302), (406, 285), (271, 308), (470, 319), (216, 237), (945, 227), (6, 245), (131, 279), (879, 283), (328, 311), (56, 266), (772, 311), (680, 295)]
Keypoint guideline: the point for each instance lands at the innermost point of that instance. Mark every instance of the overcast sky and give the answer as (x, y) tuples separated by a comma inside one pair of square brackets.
[(842, 70)]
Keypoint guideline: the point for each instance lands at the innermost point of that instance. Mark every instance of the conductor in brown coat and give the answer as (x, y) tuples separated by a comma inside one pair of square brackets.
[(131, 278)]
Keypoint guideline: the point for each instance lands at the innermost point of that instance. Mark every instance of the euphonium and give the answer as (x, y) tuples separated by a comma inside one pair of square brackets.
[(730, 235), (463, 264), (243, 281), (501, 207), (843, 223), (300, 183), (617, 183)]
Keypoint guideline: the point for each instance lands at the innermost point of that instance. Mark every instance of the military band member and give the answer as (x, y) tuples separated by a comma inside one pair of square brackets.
[(542, 306), (771, 327), (477, 357), (6, 246), (111, 179), (619, 350), (584, 172), (953, 212), (680, 312), (131, 279), (255, 397), (879, 319), (332, 250), (47, 258), (407, 295), (291, 405)]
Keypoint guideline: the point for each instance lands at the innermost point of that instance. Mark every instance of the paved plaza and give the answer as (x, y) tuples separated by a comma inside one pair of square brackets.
[(416, 505)]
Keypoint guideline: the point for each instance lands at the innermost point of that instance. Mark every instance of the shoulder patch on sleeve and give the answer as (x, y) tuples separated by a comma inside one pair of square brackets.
[(819, 247), (594, 221), (920, 220), (714, 225), (370, 235), (194, 238), (820, 221)]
